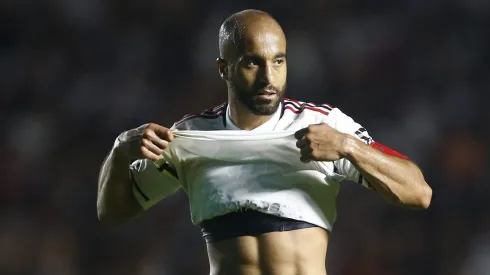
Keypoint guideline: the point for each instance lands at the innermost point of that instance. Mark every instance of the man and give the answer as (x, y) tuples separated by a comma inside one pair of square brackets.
[(243, 237)]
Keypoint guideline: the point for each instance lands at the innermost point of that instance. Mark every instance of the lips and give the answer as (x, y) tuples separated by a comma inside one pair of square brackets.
[(268, 90)]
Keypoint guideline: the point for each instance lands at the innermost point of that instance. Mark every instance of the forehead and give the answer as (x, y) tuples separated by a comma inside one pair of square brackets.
[(263, 41)]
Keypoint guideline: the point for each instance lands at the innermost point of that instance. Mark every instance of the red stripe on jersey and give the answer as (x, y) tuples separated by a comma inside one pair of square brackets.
[(211, 113), (387, 150), (310, 104), (297, 111), (185, 118), (295, 101), (219, 106), (214, 109)]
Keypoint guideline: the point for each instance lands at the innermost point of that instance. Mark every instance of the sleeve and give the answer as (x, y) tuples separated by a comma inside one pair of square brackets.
[(153, 181), (151, 184), (345, 124)]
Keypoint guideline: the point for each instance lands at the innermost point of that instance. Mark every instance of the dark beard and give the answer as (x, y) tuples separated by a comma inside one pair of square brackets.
[(257, 106)]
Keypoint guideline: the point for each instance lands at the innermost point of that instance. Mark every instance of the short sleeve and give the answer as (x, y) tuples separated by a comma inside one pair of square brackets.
[(345, 124), (153, 181), (152, 184)]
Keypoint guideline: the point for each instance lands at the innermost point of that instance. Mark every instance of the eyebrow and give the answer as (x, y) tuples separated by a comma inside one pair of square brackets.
[(278, 55)]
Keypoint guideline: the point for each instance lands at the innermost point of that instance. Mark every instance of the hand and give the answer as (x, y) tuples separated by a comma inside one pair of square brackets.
[(146, 141), (320, 142)]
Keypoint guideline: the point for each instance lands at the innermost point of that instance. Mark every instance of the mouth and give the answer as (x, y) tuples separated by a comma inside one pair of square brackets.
[(267, 95), (267, 92)]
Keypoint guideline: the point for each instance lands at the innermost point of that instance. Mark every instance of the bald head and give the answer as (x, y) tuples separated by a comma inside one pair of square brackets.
[(252, 61), (245, 27)]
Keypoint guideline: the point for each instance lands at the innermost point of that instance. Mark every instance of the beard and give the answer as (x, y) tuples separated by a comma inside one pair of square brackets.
[(256, 105)]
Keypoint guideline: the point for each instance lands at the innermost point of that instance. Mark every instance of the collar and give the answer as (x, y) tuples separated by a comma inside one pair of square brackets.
[(269, 125)]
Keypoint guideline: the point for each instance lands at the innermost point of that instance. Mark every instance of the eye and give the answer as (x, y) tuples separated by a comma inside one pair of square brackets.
[(279, 61), (251, 63)]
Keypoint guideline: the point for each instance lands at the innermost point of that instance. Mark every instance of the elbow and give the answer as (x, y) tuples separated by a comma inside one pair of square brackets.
[(421, 193), (106, 218), (425, 198), (422, 199)]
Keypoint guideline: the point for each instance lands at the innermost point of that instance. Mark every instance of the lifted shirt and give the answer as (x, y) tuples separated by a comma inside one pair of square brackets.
[(224, 169)]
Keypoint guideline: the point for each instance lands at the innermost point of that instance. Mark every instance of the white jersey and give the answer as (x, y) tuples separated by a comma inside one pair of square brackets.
[(223, 169)]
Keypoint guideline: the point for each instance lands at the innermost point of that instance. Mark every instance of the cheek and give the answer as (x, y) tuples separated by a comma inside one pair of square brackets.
[(281, 77), (246, 78)]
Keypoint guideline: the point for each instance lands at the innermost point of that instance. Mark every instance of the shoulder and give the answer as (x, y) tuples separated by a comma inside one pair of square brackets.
[(312, 113), (297, 107), (306, 112), (209, 119)]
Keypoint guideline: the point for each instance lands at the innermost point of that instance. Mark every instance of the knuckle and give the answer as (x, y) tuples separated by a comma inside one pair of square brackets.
[(144, 142), (314, 155), (147, 132)]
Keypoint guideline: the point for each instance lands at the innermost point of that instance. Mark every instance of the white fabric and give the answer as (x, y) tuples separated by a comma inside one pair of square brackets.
[(223, 169)]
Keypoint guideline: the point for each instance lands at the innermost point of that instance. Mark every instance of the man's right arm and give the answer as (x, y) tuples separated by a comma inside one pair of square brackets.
[(127, 187), (115, 201)]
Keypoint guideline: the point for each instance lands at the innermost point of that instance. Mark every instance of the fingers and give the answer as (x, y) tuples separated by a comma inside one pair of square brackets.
[(300, 133), (162, 132), (154, 141), (302, 143), (306, 154), (149, 154), (305, 159), (308, 130), (306, 151), (149, 145)]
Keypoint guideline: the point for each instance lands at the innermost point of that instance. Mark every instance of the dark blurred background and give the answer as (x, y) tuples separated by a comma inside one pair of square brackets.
[(76, 73)]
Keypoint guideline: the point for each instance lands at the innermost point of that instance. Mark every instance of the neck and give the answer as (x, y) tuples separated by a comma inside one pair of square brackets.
[(243, 118)]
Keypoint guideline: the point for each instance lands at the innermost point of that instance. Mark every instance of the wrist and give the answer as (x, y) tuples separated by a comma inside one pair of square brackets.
[(349, 146)]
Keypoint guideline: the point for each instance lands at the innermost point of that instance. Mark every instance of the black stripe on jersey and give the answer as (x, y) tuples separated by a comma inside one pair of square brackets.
[(310, 104), (361, 130), (208, 114), (169, 168), (145, 197), (304, 104), (215, 110), (282, 108), (361, 134), (324, 106)]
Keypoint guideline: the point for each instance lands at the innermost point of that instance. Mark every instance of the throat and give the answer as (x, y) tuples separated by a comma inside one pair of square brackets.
[(244, 119), (250, 122)]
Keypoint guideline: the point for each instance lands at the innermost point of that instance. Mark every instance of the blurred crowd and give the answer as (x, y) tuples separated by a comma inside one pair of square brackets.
[(76, 73)]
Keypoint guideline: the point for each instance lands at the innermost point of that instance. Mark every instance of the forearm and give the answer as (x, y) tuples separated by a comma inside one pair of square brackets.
[(398, 180), (115, 201)]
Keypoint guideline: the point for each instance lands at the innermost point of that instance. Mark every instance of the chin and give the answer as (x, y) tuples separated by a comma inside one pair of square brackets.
[(264, 108)]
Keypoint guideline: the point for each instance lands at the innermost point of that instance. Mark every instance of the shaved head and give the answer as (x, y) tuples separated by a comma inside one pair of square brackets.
[(242, 26), (252, 48)]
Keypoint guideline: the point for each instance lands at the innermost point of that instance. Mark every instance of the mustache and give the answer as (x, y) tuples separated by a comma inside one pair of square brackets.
[(269, 88)]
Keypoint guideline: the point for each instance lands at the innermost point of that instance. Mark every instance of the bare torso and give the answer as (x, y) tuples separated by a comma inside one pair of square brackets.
[(297, 252)]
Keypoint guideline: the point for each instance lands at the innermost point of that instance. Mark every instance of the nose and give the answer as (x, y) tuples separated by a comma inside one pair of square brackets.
[(266, 76)]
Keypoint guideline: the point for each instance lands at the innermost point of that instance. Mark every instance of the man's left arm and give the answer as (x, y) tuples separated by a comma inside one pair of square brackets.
[(356, 156), (389, 173)]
